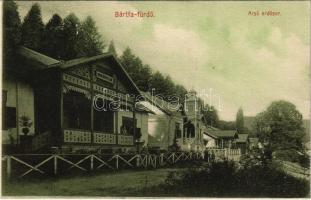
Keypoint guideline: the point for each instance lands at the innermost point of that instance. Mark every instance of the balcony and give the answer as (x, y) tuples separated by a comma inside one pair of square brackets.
[(104, 138), (77, 136), (125, 140)]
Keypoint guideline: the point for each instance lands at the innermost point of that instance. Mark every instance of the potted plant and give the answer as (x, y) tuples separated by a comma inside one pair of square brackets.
[(25, 122)]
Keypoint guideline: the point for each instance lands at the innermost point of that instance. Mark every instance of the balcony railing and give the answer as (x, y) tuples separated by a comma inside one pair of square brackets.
[(125, 140), (84, 136), (104, 138), (77, 136)]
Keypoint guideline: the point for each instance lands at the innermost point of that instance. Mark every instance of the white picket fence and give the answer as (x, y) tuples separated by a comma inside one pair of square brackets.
[(230, 154)]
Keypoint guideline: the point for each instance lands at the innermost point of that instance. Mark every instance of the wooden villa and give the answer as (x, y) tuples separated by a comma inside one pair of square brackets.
[(82, 104)]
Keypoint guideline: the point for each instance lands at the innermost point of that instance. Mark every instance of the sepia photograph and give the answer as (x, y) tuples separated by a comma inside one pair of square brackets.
[(155, 99)]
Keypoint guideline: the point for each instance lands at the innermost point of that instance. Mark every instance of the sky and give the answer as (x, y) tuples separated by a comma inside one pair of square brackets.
[(231, 58)]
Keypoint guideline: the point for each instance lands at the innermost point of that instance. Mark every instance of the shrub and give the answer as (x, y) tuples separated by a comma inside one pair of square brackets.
[(226, 179)]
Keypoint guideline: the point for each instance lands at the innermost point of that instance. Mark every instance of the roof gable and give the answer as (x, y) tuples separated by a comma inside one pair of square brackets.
[(41, 62), (223, 133)]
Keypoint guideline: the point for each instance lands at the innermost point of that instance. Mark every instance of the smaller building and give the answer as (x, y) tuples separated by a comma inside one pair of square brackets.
[(165, 123), (221, 138), (242, 142)]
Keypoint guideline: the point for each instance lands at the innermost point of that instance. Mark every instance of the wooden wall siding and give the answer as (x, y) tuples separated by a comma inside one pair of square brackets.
[(125, 140), (104, 138), (81, 71), (105, 76), (77, 136), (67, 87), (76, 81), (112, 93)]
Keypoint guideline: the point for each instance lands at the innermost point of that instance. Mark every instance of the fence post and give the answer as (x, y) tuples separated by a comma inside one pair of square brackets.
[(92, 162), (147, 160), (8, 166), (137, 160), (55, 164), (117, 161), (161, 159)]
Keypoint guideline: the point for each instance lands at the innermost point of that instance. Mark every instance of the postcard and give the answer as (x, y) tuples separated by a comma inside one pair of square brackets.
[(114, 99)]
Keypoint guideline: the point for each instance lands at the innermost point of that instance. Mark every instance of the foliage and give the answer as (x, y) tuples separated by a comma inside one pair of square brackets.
[(226, 125), (112, 48), (32, 28), (53, 37), (149, 81), (174, 146), (226, 179), (294, 156), (25, 121), (11, 30), (90, 40), (70, 49), (280, 126), (210, 116), (240, 121)]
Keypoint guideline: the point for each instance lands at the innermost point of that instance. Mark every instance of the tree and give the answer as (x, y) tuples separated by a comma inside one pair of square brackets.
[(226, 125), (157, 83), (53, 38), (210, 116), (240, 121), (11, 30), (89, 38), (32, 28), (180, 91), (139, 72), (71, 41), (112, 49), (280, 126)]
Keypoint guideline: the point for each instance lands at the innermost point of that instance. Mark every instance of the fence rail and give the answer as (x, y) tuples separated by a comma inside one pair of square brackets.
[(21, 165)]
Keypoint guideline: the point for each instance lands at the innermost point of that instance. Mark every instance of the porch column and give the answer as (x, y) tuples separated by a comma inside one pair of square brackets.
[(92, 99), (134, 124)]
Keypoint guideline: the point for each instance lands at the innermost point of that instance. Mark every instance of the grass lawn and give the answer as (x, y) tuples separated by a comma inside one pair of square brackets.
[(123, 183)]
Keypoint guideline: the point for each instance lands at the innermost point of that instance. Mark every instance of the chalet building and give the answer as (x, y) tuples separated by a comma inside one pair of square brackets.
[(165, 124), (242, 143), (210, 139), (221, 138), (175, 124), (81, 104)]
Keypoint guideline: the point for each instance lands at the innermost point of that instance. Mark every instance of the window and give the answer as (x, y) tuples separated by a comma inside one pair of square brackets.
[(8, 113), (103, 119), (77, 111), (177, 130), (190, 130), (127, 126), (9, 118)]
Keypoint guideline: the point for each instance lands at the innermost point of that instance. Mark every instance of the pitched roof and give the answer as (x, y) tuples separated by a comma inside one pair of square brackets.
[(253, 140), (143, 108), (42, 61), (222, 133), (242, 138), (163, 105)]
